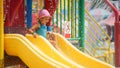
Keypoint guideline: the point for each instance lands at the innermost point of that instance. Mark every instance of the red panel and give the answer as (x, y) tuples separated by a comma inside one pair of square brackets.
[(7, 12), (117, 40), (51, 6), (14, 13), (117, 34)]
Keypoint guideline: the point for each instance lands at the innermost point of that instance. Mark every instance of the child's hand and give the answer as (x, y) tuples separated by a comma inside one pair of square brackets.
[(35, 35)]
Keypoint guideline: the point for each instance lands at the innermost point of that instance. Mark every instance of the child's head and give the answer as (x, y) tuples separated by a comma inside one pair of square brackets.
[(44, 16)]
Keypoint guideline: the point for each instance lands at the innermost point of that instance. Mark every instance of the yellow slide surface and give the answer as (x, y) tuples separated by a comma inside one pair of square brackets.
[(30, 54), (44, 45), (74, 54), (36, 52)]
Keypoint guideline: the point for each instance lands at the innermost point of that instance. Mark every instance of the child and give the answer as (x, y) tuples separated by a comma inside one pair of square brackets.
[(40, 27)]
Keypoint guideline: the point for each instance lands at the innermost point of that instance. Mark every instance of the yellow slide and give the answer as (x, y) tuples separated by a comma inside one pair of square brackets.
[(44, 45), (74, 54), (39, 53), (29, 54)]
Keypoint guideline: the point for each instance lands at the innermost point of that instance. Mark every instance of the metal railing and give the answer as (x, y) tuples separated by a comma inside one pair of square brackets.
[(96, 42)]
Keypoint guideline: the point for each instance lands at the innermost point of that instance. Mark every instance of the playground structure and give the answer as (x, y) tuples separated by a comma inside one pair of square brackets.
[(1, 35), (64, 15), (110, 7), (91, 33)]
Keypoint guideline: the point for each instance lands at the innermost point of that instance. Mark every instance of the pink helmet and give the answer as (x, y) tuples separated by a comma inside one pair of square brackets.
[(43, 13)]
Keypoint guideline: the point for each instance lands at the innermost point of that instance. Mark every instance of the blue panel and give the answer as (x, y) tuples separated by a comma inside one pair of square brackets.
[(29, 13)]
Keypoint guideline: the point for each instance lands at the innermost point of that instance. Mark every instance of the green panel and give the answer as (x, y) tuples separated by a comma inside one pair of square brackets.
[(75, 18), (68, 10), (60, 16), (57, 19), (64, 10), (81, 23), (53, 22)]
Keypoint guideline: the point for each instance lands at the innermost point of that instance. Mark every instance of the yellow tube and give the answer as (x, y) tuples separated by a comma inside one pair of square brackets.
[(40, 4), (1, 34)]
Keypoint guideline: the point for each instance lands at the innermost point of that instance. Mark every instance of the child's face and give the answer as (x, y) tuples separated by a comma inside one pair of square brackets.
[(44, 20)]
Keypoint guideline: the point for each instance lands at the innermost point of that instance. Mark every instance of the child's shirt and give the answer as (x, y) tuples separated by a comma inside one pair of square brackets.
[(42, 30)]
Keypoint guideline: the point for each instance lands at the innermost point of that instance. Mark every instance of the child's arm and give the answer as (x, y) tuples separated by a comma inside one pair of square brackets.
[(33, 28)]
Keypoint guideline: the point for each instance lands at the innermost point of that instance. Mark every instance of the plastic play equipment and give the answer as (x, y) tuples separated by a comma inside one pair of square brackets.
[(72, 12), (73, 53), (65, 55), (1, 35), (14, 13), (107, 5), (42, 53), (89, 37), (32, 55), (39, 56), (117, 40), (29, 13)]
